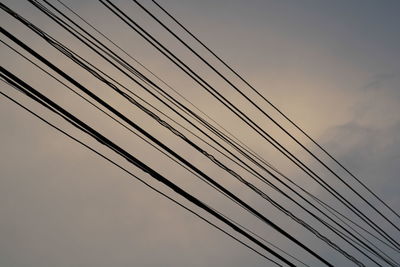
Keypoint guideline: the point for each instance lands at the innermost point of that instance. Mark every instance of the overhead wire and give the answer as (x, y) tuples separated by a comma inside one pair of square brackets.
[(276, 204), (265, 114), (247, 120), (142, 181), (46, 102), (100, 109), (252, 186), (103, 111), (163, 194), (248, 149), (224, 63), (276, 108), (166, 148), (94, 28)]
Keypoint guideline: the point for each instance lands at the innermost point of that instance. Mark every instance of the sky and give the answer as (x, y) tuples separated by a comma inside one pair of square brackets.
[(331, 66)]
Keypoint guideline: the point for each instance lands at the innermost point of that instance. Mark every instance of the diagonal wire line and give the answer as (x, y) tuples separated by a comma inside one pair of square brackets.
[(274, 107), (35, 95), (267, 198), (118, 12), (218, 163), (252, 153), (143, 182), (166, 148), (266, 114)]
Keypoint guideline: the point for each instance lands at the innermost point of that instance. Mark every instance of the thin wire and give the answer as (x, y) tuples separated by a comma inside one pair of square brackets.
[(139, 179), (246, 148), (276, 108), (163, 146), (101, 110), (265, 114), (252, 187), (245, 119), (161, 80), (93, 104), (31, 92), (274, 203)]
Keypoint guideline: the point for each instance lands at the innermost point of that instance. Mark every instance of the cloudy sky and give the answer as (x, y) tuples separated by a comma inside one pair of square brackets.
[(334, 67)]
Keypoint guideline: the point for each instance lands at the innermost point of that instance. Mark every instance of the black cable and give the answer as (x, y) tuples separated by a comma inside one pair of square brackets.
[(93, 104), (119, 166), (265, 114), (142, 181), (274, 203), (166, 148), (250, 185), (244, 146), (69, 53), (35, 95), (247, 120), (247, 149), (274, 107), (101, 110)]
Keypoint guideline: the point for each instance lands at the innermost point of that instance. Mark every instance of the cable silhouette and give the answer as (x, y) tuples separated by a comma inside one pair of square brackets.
[(188, 101), (259, 158), (107, 113), (37, 96), (119, 166), (101, 110), (139, 179), (251, 186), (275, 108), (119, 13), (163, 146), (243, 146), (265, 114)]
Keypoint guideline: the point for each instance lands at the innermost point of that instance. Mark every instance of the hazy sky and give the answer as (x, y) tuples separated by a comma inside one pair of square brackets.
[(332, 66)]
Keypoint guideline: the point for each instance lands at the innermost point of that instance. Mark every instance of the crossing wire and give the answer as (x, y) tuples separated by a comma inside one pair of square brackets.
[(275, 108), (266, 114), (252, 186), (166, 148), (119, 13), (241, 144), (142, 181)]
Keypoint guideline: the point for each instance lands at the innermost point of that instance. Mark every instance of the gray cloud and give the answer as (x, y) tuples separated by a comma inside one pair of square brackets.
[(330, 68)]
